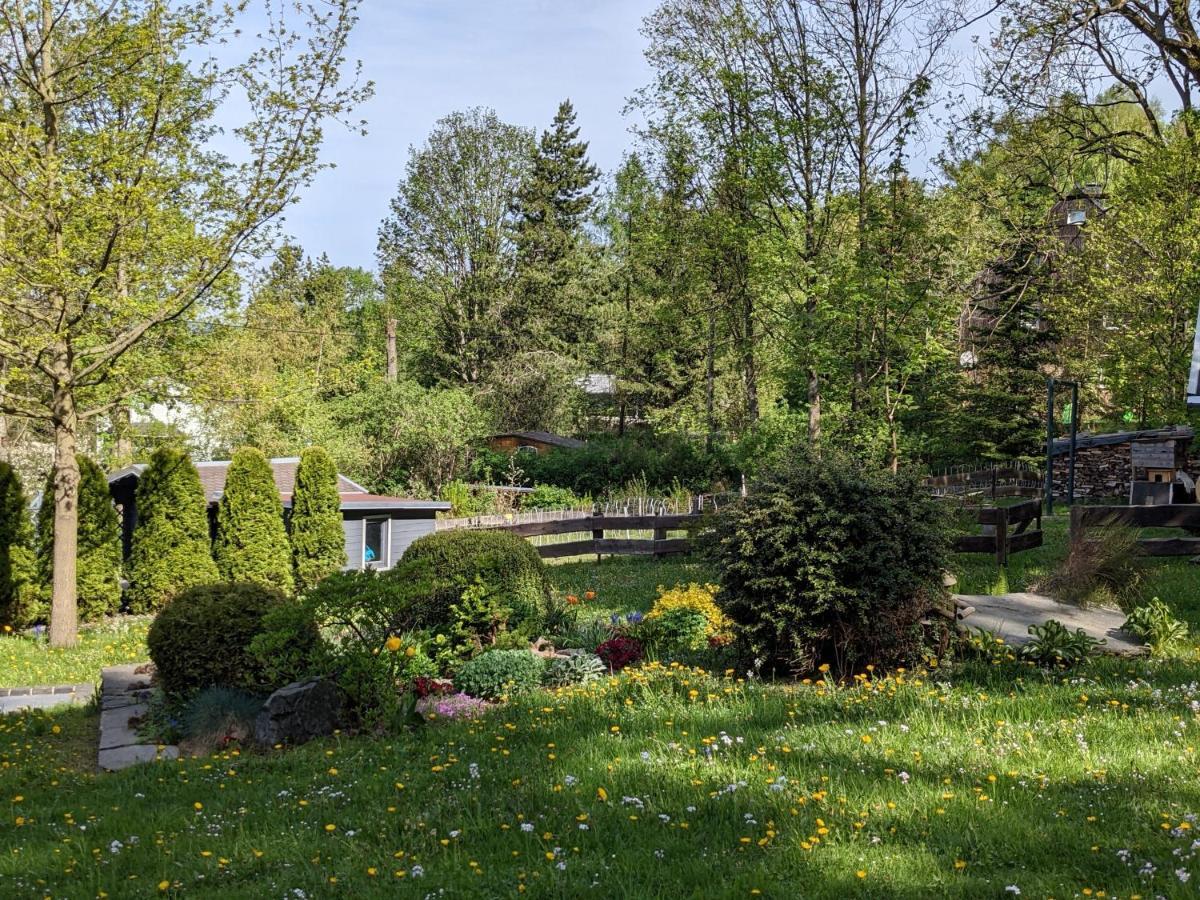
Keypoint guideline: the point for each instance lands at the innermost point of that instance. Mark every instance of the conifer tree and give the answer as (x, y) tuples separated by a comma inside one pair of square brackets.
[(15, 560), (98, 552), (252, 542), (318, 541), (171, 548)]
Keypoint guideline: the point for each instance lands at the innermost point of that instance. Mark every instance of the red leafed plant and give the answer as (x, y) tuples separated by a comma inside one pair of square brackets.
[(620, 651), (423, 686)]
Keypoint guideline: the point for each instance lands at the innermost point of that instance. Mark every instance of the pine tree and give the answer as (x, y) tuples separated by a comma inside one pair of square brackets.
[(318, 542), (171, 549), (98, 553), (252, 542), (15, 554), (552, 205)]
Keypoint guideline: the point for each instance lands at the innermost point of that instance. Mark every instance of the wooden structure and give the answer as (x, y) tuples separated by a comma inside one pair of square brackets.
[(1179, 515), (596, 526), (531, 442), (1006, 528), (1009, 479)]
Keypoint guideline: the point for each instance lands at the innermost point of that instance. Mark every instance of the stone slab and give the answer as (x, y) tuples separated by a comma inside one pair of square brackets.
[(115, 729), (123, 679), (1010, 615), (131, 698), (117, 758), (44, 696)]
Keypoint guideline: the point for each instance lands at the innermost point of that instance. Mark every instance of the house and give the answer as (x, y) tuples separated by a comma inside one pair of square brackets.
[(531, 442), (378, 529)]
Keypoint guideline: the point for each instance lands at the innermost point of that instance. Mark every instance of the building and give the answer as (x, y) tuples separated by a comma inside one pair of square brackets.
[(378, 529), (531, 442), (1193, 389), (1105, 463)]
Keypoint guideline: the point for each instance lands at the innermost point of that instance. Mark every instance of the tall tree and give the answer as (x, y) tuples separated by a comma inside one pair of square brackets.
[(171, 548), (317, 539), (251, 542), (118, 220), (448, 240)]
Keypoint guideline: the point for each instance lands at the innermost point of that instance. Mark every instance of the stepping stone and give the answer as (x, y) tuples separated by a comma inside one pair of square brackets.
[(123, 757), (125, 695), (115, 727), (1010, 615), (44, 697)]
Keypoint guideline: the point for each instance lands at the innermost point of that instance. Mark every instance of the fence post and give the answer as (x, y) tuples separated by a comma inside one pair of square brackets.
[(1076, 522), (597, 534), (1002, 536)]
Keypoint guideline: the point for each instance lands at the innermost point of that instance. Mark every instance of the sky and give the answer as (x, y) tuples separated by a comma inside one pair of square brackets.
[(428, 58)]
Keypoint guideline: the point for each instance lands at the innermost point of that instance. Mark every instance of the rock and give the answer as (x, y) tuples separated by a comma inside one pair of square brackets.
[(542, 648), (299, 712)]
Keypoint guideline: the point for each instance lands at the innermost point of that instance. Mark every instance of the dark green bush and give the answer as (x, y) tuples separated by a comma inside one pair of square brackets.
[(548, 496), (252, 542), (508, 566), (17, 588), (500, 673), (830, 561), (202, 638), (315, 527)]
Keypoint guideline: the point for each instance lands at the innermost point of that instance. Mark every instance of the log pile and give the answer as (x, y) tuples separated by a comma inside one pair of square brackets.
[(1100, 472)]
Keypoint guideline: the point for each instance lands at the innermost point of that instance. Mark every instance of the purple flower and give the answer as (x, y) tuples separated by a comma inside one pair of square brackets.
[(634, 617), (452, 706)]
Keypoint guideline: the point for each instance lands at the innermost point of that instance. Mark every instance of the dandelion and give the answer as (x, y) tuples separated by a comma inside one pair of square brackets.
[(393, 644)]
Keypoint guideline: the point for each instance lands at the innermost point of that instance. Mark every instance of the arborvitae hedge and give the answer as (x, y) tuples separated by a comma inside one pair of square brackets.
[(98, 555), (16, 562), (318, 541), (252, 542), (171, 549)]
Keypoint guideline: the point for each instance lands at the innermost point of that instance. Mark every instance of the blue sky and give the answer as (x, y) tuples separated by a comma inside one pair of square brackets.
[(429, 57)]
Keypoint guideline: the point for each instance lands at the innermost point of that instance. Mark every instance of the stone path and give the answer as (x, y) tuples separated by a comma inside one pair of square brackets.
[(123, 697), (1010, 615), (43, 697)]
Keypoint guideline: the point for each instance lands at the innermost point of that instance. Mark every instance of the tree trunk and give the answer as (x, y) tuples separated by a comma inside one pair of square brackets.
[(814, 408), (393, 365), (123, 437), (710, 377), (64, 622)]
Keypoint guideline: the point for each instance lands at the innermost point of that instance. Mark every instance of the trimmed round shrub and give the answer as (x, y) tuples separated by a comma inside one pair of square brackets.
[(500, 673), (98, 554), (454, 560), (830, 560), (171, 549), (318, 541), (202, 638), (252, 542)]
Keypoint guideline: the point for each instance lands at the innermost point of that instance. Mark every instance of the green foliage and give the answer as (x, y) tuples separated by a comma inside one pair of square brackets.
[(171, 551), (500, 673), (202, 638), (676, 630), (578, 668), (1052, 644), (98, 555), (548, 496), (1102, 566), (1157, 626), (17, 588), (251, 543), (467, 502), (508, 566), (217, 713), (317, 538), (830, 560)]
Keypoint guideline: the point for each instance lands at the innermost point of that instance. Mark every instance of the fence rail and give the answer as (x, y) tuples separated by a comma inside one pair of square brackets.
[(1006, 530), (1013, 479), (1176, 515), (659, 543)]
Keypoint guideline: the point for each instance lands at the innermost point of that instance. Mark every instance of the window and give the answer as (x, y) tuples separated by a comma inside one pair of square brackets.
[(528, 448), (375, 543), (1076, 217)]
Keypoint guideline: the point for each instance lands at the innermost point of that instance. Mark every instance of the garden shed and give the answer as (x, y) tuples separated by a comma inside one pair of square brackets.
[(1107, 464), (532, 442), (378, 528)]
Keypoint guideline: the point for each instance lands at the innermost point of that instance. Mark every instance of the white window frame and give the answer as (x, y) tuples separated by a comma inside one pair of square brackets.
[(385, 538), (1077, 217)]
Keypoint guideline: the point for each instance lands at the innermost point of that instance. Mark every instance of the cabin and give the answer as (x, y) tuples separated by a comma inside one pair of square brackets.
[(531, 442), (378, 529)]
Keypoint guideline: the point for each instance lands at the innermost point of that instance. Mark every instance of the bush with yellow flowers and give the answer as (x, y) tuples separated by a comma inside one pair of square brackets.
[(687, 617)]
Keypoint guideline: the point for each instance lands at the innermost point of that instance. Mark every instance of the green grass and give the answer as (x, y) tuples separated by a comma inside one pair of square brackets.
[(624, 584), (28, 660)]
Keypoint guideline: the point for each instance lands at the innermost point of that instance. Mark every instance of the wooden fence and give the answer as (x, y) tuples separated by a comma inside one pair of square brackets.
[(595, 527), (1001, 480), (1166, 516), (1007, 530)]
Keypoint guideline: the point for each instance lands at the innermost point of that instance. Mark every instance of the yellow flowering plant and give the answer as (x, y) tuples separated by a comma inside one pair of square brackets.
[(690, 616)]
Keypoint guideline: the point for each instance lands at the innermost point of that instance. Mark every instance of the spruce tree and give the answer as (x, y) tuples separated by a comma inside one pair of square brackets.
[(252, 543), (15, 554), (171, 548), (318, 541), (98, 554)]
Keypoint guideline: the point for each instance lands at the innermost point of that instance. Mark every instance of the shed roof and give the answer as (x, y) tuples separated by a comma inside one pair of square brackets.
[(544, 437), (1083, 441)]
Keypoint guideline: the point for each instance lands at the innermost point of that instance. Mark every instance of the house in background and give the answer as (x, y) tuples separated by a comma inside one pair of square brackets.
[(378, 529), (531, 442)]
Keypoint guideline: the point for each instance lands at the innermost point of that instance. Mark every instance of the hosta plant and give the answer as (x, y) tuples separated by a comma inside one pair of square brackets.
[(1053, 644), (1164, 634)]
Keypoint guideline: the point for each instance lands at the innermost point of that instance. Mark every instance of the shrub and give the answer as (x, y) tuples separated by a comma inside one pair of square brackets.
[(674, 616), (171, 550), (579, 668), (1053, 644), (98, 554), (830, 560), (17, 601), (508, 565), (1101, 566), (252, 543), (216, 716), (500, 673), (317, 538), (547, 496), (621, 651), (202, 638), (1162, 632)]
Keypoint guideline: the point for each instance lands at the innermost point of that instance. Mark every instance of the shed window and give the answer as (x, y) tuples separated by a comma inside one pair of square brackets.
[(1076, 217), (375, 543)]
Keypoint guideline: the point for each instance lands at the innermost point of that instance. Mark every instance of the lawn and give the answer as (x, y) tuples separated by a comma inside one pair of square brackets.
[(29, 660), (660, 782)]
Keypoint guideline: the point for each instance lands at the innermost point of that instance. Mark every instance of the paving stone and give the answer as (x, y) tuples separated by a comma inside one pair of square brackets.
[(132, 698), (115, 730), (117, 758), (122, 679), (1010, 615)]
